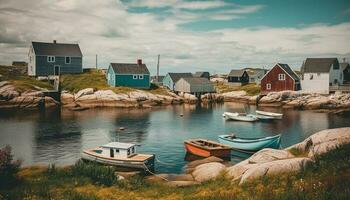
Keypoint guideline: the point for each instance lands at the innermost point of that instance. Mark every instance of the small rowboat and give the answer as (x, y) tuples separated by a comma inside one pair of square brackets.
[(251, 144), (240, 117), (270, 114), (122, 155), (206, 148)]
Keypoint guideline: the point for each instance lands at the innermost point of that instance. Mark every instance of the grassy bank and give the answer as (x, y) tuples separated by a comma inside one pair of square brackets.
[(328, 179), (18, 77), (251, 89)]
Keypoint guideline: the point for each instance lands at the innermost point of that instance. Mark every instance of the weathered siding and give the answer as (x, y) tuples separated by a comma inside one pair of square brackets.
[(315, 83), (31, 62), (127, 80), (183, 86), (168, 82), (336, 76), (276, 85), (111, 77), (44, 68)]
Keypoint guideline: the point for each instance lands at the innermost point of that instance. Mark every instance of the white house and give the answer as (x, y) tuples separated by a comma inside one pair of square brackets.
[(318, 74)]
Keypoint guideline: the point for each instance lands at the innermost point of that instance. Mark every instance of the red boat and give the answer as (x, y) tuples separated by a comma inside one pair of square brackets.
[(206, 148)]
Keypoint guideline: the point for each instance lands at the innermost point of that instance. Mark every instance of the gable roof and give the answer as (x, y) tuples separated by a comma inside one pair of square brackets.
[(56, 49), (318, 65), (129, 68), (285, 68), (236, 72), (196, 80), (176, 76), (199, 74), (343, 65)]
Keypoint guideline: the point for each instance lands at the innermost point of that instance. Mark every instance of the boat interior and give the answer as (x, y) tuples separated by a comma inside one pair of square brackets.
[(208, 144)]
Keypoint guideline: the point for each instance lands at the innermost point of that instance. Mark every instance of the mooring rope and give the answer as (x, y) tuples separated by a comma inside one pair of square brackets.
[(164, 163), (147, 169)]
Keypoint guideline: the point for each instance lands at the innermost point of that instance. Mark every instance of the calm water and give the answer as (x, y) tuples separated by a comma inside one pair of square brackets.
[(60, 136)]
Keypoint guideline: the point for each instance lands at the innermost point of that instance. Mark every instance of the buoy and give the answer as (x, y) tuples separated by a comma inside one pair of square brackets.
[(122, 128), (181, 115)]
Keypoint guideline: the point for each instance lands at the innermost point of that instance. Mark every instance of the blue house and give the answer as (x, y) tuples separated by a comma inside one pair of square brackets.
[(171, 78), (54, 59), (129, 75)]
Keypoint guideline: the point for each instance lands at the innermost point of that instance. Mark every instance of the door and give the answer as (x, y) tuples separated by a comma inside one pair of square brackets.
[(57, 70), (111, 152)]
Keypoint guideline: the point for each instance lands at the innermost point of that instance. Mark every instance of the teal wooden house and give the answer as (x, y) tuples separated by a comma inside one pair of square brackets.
[(129, 75)]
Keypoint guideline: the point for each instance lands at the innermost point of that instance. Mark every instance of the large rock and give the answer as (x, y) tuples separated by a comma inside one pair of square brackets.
[(323, 141), (83, 92), (208, 171), (190, 98), (275, 167), (138, 95), (3, 83), (268, 155), (67, 98), (8, 92), (192, 165)]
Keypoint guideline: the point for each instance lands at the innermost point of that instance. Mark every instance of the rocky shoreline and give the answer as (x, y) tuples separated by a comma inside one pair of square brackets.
[(11, 97), (265, 162)]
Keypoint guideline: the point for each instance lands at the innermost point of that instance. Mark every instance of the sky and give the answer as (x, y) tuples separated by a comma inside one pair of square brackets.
[(214, 36)]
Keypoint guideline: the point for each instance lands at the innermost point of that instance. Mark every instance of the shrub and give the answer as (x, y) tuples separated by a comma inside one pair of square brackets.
[(8, 167), (98, 173)]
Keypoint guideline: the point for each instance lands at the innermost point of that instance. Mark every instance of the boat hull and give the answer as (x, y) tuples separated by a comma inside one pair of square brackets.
[(146, 165), (251, 144), (202, 152), (239, 117), (269, 114)]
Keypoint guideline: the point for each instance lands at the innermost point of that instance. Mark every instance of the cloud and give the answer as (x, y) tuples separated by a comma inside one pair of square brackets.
[(109, 29)]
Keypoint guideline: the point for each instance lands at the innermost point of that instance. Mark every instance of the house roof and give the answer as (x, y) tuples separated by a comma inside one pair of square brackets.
[(118, 145), (176, 76), (236, 72), (199, 74), (344, 65), (196, 80), (56, 49), (289, 71), (318, 65), (129, 68)]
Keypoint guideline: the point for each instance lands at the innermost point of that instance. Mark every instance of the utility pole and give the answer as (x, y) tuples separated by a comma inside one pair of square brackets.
[(158, 68), (96, 62)]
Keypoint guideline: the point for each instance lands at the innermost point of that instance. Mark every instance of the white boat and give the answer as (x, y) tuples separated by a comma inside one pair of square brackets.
[(240, 117), (121, 155), (270, 114)]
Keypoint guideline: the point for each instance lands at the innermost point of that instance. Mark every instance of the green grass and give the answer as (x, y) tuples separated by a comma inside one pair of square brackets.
[(18, 77), (251, 89), (329, 178)]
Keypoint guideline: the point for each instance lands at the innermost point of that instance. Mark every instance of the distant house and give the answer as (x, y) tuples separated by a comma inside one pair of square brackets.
[(281, 77), (19, 64), (318, 74), (255, 74), (54, 59), (202, 75), (135, 75), (238, 77), (194, 85), (171, 78), (345, 67), (158, 81)]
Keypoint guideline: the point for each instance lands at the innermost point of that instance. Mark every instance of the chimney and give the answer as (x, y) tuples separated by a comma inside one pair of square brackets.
[(54, 42), (139, 61)]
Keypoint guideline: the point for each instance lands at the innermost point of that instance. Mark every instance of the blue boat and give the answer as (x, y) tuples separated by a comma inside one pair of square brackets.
[(251, 144)]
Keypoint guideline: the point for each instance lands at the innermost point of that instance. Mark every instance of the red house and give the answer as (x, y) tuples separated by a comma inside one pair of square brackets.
[(280, 77)]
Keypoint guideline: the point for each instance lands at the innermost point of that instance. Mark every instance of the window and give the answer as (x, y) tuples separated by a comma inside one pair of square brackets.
[(134, 76), (133, 150), (140, 76), (50, 58), (311, 76), (128, 151), (281, 77), (117, 150), (67, 60), (268, 86)]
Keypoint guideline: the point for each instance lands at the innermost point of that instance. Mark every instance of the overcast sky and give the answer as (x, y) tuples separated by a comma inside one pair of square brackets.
[(189, 35)]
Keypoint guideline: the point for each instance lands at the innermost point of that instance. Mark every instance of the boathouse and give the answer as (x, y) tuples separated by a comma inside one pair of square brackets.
[(54, 59), (171, 78), (238, 77), (320, 74), (135, 75), (281, 77), (194, 85), (202, 75)]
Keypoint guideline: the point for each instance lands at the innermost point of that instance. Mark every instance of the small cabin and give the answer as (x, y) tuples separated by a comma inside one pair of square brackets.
[(118, 150), (238, 77)]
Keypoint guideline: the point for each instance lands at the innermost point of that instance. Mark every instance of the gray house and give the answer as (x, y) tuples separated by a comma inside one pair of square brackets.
[(54, 59), (171, 78), (202, 75), (194, 85)]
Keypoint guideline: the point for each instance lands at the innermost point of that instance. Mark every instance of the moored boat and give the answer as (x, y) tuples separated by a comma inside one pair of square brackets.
[(122, 155), (240, 117), (251, 144), (206, 148), (270, 114)]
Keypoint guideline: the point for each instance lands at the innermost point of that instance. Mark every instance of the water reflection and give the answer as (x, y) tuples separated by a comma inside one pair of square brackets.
[(59, 136)]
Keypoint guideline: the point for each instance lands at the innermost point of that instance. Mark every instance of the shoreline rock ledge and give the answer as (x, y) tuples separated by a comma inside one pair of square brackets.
[(264, 162)]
